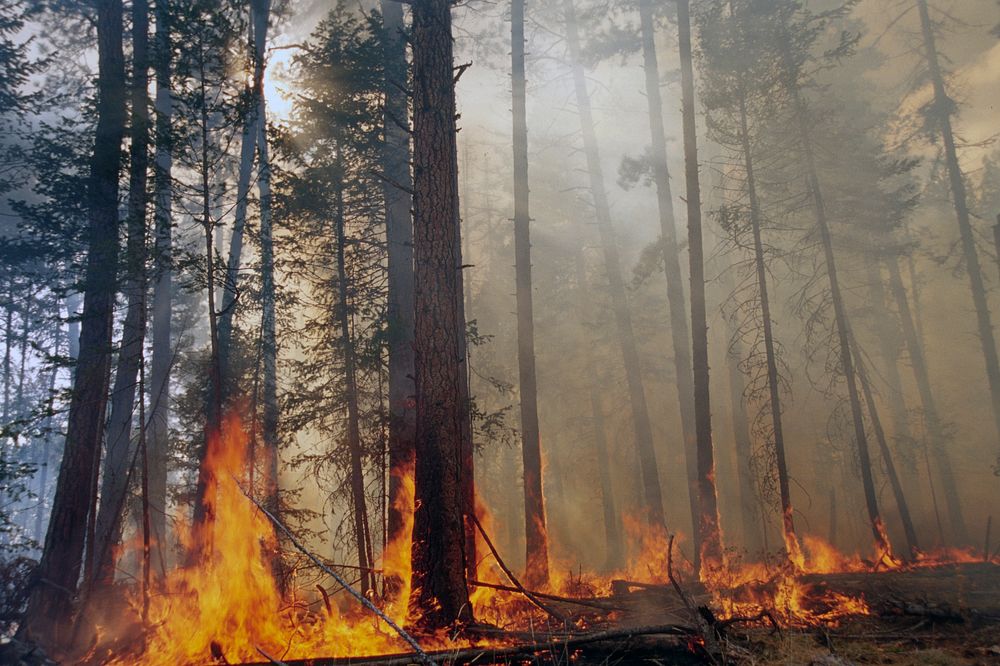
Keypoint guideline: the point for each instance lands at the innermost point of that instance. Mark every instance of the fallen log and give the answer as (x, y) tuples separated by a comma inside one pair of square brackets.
[(492, 655)]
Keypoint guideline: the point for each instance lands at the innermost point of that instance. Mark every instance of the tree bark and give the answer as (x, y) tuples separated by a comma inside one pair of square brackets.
[(50, 601), (537, 539), (439, 596), (399, 239), (676, 304), (711, 537), (161, 361), (648, 471), (119, 457), (942, 110)]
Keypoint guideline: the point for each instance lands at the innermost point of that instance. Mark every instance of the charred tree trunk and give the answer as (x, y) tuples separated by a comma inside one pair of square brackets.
[(935, 431), (648, 470), (399, 237), (161, 361), (120, 456), (439, 596), (773, 380), (708, 520), (50, 601), (943, 108), (882, 542), (355, 452), (671, 265), (537, 539)]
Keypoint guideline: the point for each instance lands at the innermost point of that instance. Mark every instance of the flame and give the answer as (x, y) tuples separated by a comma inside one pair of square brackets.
[(226, 602)]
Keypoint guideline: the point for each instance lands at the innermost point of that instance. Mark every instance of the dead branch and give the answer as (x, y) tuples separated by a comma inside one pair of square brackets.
[(421, 655), (592, 603), (513, 579)]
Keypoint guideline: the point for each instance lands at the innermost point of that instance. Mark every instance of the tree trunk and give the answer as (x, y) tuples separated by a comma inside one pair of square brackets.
[(773, 381), (648, 470), (203, 505), (355, 452), (671, 264), (162, 360), (261, 13), (44, 461), (8, 345), (614, 544), (890, 467), (399, 238), (711, 537), (50, 601), (537, 539), (938, 441), (439, 596), (119, 457), (882, 542), (253, 123), (942, 110)]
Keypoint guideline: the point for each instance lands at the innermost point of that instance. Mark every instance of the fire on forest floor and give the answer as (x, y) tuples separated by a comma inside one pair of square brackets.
[(225, 606)]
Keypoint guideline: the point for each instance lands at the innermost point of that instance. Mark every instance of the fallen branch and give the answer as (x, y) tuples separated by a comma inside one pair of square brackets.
[(513, 579), (706, 625), (419, 653), (592, 603)]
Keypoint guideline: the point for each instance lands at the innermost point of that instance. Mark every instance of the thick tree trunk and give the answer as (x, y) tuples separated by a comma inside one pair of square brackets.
[(938, 440), (119, 457), (882, 542), (537, 539), (161, 362), (648, 472), (355, 452), (50, 601), (711, 536), (399, 239), (942, 110), (439, 596), (671, 264)]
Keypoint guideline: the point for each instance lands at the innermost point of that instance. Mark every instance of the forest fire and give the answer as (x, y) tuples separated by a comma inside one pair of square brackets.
[(226, 604), (394, 370)]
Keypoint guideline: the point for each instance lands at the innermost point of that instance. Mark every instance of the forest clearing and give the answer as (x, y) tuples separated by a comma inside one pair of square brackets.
[(499, 332)]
